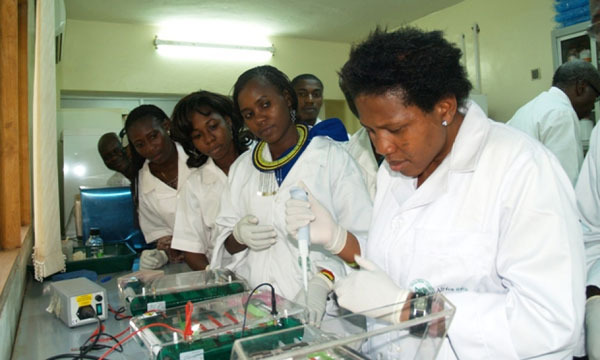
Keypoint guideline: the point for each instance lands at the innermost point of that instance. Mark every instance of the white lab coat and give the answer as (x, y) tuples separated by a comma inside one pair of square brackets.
[(361, 150), (117, 179), (197, 208), (334, 179), (157, 200), (551, 119), (495, 229), (587, 191), (588, 202)]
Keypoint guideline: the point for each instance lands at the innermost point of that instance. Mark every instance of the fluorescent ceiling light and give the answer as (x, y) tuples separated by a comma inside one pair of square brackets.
[(160, 42), (211, 51)]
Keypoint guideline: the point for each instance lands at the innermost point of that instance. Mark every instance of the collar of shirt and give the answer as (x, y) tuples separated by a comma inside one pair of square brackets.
[(470, 140), (463, 157), (149, 182), (560, 96), (211, 173)]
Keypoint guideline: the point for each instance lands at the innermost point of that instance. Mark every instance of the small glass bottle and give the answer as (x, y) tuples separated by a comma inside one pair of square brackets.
[(95, 243)]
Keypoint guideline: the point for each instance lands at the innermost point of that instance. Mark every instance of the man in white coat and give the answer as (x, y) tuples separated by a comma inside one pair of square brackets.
[(588, 202), (468, 206), (553, 116)]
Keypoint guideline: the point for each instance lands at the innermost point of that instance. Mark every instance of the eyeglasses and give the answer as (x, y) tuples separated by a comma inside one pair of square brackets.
[(593, 31)]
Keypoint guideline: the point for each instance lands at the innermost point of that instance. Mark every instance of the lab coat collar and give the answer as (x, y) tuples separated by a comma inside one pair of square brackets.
[(560, 95), (360, 148), (211, 173), (149, 182), (466, 150), (463, 157)]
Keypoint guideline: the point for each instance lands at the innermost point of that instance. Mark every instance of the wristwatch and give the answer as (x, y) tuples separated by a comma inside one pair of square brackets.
[(420, 305)]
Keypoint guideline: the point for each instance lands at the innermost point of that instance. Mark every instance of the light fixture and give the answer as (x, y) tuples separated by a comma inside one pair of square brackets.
[(213, 51)]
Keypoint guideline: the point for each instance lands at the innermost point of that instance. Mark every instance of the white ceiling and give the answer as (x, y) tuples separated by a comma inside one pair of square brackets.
[(326, 20)]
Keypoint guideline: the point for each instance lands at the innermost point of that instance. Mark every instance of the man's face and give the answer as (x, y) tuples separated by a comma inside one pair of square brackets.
[(310, 99), (114, 156)]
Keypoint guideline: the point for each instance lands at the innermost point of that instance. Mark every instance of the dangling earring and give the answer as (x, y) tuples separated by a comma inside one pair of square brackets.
[(169, 132), (444, 123), (293, 115)]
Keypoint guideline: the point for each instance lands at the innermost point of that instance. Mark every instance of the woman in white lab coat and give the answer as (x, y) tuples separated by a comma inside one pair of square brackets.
[(252, 213), (211, 134), (464, 206), (161, 166)]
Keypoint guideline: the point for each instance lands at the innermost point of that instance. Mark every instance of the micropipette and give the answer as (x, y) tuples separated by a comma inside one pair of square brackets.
[(303, 240)]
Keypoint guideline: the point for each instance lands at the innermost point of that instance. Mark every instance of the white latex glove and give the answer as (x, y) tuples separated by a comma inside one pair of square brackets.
[(153, 259), (369, 289), (592, 327), (256, 237), (318, 289), (323, 229)]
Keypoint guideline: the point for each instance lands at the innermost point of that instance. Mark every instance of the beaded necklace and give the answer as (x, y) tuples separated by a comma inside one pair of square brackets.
[(271, 171)]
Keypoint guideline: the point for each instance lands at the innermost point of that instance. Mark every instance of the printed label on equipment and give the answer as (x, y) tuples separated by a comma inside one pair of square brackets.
[(157, 306), (149, 314), (192, 355), (84, 300)]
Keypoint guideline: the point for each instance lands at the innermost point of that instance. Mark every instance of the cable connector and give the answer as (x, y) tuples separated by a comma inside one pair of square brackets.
[(273, 303)]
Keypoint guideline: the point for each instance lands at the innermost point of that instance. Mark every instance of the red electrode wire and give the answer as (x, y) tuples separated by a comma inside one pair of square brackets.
[(135, 332), (189, 309), (116, 336)]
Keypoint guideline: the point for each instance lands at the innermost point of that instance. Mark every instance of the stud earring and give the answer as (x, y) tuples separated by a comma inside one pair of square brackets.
[(444, 123)]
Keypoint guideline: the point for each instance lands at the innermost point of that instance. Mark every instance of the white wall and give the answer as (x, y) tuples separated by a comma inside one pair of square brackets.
[(107, 57), (515, 38)]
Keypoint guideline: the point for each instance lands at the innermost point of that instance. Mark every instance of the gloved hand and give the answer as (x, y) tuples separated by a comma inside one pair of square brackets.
[(369, 289), (323, 229), (592, 327), (256, 237), (153, 259), (318, 289)]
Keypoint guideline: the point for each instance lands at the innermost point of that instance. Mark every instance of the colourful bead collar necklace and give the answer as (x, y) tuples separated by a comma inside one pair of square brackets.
[(264, 165)]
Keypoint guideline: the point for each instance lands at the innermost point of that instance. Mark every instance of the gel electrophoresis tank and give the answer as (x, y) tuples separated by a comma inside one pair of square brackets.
[(356, 337), (216, 324), (177, 289)]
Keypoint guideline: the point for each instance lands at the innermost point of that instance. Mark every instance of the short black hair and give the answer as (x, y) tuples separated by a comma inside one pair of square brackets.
[(272, 75), (181, 127), (142, 112), (421, 66), (575, 70), (106, 139), (301, 77)]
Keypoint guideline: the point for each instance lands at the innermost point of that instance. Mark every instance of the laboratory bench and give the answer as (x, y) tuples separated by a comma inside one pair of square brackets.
[(41, 335)]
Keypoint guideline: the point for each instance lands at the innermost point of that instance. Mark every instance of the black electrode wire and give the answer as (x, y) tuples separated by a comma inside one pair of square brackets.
[(273, 304), (119, 313), (85, 348), (73, 356)]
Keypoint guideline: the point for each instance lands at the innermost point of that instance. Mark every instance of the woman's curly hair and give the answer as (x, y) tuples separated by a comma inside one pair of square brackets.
[(420, 66)]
